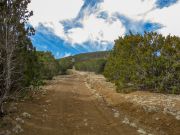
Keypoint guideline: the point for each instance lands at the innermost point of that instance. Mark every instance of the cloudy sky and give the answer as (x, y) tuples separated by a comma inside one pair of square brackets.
[(67, 27)]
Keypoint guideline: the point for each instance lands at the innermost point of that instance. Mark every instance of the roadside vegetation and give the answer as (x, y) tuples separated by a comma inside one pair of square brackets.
[(145, 62), (65, 64), (48, 65), (94, 65), (21, 66)]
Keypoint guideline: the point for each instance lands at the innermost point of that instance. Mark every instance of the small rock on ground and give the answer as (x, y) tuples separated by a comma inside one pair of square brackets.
[(19, 120), (17, 129), (116, 114), (26, 115), (141, 131)]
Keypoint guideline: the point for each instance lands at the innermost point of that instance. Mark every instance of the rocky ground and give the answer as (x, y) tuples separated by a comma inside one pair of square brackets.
[(156, 112), (85, 104)]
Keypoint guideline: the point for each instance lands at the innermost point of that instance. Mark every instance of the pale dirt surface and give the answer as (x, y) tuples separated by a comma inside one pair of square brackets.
[(69, 108), (153, 112), (85, 104), (167, 103)]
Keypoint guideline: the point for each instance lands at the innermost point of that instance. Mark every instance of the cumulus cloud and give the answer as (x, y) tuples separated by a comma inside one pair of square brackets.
[(95, 24), (131, 8), (169, 17), (96, 29), (108, 19), (54, 10)]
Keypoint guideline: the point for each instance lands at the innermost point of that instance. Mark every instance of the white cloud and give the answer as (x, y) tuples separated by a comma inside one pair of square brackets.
[(50, 12), (54, 10), (67, 54), (145, 10), (169, 17), (57, 29), (130, 8), (96, 29)]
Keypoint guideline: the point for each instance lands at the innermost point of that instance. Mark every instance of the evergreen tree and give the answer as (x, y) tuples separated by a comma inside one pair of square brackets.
[(13, 36), (149, 61)]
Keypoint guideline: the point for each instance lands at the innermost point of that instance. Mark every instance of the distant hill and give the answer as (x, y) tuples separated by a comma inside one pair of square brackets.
[(90, 61), (88, 56)]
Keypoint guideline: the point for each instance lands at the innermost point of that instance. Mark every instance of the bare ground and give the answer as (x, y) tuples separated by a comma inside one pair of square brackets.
[(85, 104)]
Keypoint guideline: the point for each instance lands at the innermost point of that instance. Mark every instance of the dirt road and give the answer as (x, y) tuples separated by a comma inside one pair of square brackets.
[(69, 108), (86, 104)]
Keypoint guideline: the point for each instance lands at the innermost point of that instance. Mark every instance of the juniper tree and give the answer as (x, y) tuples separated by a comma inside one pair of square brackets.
[(13, 18), (149, 61)]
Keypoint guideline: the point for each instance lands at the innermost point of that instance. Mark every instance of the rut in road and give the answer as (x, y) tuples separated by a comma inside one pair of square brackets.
[(70, 108)]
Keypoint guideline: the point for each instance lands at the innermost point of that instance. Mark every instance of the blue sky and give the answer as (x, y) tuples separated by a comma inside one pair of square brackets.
[(68, 27)]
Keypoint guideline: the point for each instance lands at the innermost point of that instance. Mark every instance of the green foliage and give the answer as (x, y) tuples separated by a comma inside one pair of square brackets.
[(29, 65), (16, 51), (21, 65), (65, 64), (17, 55), (94, 65), (81, 61), (150, 62), (49, 66)]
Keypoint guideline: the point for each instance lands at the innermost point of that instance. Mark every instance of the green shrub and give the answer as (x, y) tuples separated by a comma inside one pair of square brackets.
[(65, 64), (94, 65), (149, 61), (49, 66)]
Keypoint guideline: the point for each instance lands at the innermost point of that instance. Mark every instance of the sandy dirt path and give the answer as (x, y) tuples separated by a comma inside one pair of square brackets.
[(68, 107)]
